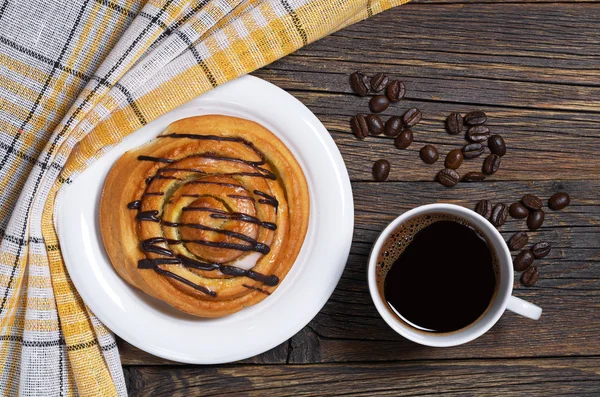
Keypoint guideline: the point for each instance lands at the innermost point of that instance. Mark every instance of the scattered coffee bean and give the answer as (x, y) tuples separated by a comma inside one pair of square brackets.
[(375, 124), (558, 201), (478, 133), (454, 123), (358, 83), (429, 154), (497, 145), (518, 211), (475, 118), (523, 260), (395, 90), (448, 177), (499, 214), (454, 159), (411, 117), (393, 126), (379, 82), (540, 250), (367, 82), (379, 103), (535, 219), (518, 241), (404, 140), (381, 170), (484, 208), (530, 276), (359, 126), (472, 150), (532, 202), (474, 177), (491, 164)]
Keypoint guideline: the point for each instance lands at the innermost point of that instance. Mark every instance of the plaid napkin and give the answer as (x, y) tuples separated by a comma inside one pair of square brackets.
[(75, 78)]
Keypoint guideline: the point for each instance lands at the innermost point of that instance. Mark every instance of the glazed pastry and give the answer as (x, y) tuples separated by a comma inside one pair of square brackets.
[(208, 217)]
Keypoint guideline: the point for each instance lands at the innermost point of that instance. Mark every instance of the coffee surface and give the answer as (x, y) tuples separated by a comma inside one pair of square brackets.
[(437, 273)]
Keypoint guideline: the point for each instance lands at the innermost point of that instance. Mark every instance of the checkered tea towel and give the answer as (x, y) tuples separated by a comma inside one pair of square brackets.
[(76, 76)]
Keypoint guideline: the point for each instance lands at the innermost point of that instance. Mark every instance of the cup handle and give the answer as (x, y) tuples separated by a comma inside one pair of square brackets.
[(524, 308)]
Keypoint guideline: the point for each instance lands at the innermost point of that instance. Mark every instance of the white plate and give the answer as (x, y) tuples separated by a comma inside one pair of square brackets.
[(156, 327)]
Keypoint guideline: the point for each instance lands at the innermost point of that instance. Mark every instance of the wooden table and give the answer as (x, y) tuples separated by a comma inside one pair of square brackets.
[(534, 68)]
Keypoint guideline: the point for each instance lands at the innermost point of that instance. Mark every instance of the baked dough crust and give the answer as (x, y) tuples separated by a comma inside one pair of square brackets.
[(210, 249)]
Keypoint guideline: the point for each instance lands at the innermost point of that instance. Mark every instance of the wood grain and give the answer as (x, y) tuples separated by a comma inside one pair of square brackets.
[(551, 376), (532, 66)]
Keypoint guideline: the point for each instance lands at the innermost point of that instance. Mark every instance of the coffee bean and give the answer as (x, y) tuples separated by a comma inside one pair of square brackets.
[(491, 164), (454, 123), (379, 82), (395, 90), (379, 103), (535, 219), (393, 126), (472, 150), (375, 124), (411, 117), (540, 250), (518, 211), (518, 241), (530, 276), (475, 118), (478, 133), (357, 83), (404, 140), (429, 154), (558, 201), (532, 202), (499, 214), (454, 159), (484, 208), (359, 126), (448, 177), (367, 82), (497, 145), (523, 260), (474, 177), (381, 170)]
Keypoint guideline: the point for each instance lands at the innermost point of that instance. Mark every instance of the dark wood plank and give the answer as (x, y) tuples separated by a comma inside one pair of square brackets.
[(541, 377), (523, 55)]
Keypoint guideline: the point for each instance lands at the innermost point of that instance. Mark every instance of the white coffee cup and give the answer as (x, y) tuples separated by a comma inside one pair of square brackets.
[(502, 301)]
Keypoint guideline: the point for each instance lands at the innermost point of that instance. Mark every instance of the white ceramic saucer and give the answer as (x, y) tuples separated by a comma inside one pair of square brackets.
[(157, 328)]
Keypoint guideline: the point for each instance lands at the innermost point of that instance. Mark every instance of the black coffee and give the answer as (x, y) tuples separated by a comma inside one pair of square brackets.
[(437, 273)]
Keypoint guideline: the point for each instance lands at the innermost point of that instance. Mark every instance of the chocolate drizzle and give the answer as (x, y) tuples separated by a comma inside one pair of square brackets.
[(269, 200), (256, 289), (134, 205), (252, 246), (227, 270), (148, 216), (238, 216), (149, 245), (153, 245), (153, 263), (155, 159), (220, 138), (185, 281)]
